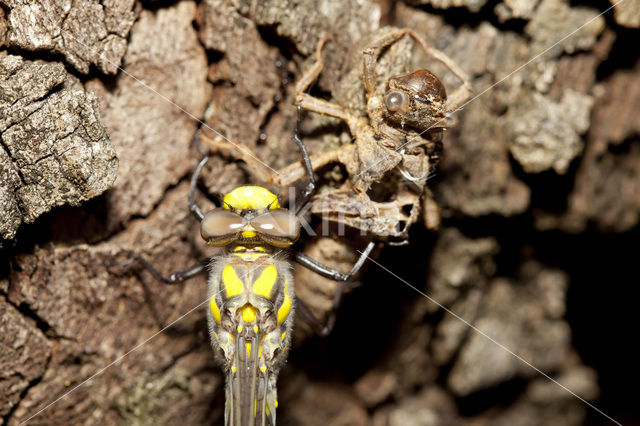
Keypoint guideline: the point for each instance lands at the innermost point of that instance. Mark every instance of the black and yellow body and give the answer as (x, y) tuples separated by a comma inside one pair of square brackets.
[(251, 299), (251, 293)]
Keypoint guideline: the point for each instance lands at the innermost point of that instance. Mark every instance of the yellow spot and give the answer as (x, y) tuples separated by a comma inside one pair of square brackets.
[(241, 249), (248, 346), (248, 234), (215, 334), (276, 404), (264, 284), (233, 368), (67, 383), (255, 329), (283, 311), (239, 328), (260, 351), (232, 284), (249, 255), (251, 197), (215, 311), (263, 368), (284, 335), (248, 313)]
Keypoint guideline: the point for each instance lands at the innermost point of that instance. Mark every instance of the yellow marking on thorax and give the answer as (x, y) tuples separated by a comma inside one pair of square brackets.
[(283, 311), (249, 234), (249, 253), (248, 346), (249, 313), (215, 311), (252, 198), (264, 284), (232, 284), (249, 256), (254, 248)]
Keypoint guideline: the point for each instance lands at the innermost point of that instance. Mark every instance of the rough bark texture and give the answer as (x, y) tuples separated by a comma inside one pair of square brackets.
[(537, 195), (85, 32), (55, 150), (627, 13)]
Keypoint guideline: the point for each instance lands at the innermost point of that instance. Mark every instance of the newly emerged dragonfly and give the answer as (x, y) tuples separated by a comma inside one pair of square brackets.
[(251, 290)]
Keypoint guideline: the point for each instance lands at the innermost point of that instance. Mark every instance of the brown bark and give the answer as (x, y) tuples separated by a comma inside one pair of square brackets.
[(548, 154)]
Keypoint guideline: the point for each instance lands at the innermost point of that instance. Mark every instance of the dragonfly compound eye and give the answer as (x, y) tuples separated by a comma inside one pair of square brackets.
[(279, 228), (219, 227), (395, 100)]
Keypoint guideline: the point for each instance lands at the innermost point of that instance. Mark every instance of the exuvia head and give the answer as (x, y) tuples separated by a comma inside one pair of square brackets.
[(415, 99)]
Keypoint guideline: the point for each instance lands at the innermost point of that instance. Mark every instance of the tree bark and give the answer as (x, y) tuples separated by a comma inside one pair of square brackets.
[(537, 192)]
